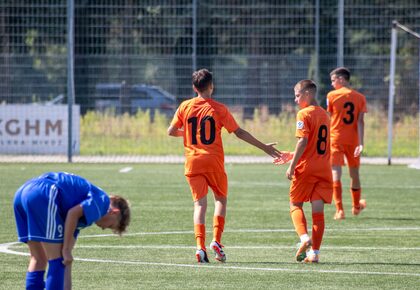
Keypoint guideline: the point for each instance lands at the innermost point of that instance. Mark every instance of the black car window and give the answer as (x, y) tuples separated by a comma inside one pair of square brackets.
[(140, 94)]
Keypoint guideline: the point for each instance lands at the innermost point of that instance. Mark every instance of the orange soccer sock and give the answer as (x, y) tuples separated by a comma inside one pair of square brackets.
[(218, 227), (355, 195), (200, 236), (338, 195), (299, 220), (318, 226)]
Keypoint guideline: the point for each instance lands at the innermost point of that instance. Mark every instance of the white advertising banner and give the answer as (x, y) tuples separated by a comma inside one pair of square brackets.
[(38, 129)]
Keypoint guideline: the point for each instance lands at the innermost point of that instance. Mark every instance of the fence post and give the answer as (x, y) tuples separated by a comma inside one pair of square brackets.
[(70, 76), (391, 92), (194, 36), (340, 33)]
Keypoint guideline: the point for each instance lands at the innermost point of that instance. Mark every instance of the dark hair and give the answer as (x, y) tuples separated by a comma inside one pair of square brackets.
[(341, 72), (307, 85), (201, 79), (123, 205)]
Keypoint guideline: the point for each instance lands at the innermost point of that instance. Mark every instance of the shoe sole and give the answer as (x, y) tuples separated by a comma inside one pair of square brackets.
[(310, 261), (301, 252)]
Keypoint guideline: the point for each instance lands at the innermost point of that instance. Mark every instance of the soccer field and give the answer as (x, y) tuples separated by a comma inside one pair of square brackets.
[(380, 249)]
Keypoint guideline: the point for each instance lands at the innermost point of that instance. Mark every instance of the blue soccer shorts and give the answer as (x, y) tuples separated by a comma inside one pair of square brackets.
[(37, 215)]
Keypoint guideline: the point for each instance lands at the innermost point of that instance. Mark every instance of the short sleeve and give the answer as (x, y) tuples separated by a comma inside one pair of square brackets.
[(229, 122), (177, 119), (329, 104), (363, 107), (302, 126), (94, 207)]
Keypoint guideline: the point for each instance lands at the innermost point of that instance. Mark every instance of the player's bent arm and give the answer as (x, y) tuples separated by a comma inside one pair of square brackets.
[(73, 216), (300, 148), (67, 271), (247, 137), (175, 132)]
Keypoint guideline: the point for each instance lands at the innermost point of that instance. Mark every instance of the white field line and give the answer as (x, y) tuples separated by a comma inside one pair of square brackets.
[(385, 229), (4, 248), (273, 247), (125, 169)]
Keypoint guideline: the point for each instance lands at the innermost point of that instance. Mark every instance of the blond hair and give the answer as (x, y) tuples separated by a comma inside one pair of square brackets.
[(307, 85)]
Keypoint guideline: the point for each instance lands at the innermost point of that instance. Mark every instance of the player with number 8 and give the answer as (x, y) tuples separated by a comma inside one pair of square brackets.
[(310, 171)]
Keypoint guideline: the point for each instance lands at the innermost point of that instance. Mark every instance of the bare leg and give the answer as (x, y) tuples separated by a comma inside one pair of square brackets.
[(354, 176), (200, 208), (220, 204), (38, 261)]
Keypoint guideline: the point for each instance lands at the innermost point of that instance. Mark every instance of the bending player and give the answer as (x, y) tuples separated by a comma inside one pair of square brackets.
[(49, 211)]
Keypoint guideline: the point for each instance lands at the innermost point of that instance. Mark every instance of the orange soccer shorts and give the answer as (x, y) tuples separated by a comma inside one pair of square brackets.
[(338, 152), (301, 191), (200, 183)]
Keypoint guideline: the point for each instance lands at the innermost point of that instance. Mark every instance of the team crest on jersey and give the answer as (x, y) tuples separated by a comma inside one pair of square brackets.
[(299, 125)]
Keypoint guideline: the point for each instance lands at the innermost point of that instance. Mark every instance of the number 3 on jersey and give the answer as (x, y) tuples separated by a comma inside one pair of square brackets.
[(203, 138), (349, 112)]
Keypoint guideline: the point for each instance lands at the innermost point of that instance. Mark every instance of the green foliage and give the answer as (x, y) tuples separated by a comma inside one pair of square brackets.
[(110, 134)]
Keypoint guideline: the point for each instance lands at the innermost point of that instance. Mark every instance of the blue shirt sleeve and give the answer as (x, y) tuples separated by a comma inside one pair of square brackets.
[(94, 207)]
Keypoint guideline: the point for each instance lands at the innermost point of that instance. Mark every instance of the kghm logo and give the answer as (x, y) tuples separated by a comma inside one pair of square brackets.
[(14, 127)]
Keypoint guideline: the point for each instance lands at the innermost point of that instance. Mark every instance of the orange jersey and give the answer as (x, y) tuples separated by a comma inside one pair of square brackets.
[(203, 120), (314, 165), (344, 106)]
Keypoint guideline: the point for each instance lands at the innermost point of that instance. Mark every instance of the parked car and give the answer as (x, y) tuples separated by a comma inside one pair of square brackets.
[(131, 98)]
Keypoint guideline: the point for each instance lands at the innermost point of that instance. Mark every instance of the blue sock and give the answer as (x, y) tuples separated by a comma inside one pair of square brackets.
[(55, 275), (35, 280)]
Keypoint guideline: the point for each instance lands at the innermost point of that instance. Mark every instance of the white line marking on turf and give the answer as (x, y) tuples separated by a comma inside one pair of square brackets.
[(268, 247), (126, 169), (5, 249), (257, 231)]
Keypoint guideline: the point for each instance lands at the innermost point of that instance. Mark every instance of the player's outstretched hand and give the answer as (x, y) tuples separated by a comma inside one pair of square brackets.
[(358, 150), (67, 257), (285, 156), (271, 150)]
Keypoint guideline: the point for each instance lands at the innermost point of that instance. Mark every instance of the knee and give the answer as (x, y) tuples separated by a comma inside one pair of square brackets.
[(294, 208), (39, 262)]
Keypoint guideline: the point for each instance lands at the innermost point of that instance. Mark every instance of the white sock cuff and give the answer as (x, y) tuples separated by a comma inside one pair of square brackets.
[(304, 238)]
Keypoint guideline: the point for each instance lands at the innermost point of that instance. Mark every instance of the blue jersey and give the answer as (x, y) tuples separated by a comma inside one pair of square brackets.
[(42, 203)]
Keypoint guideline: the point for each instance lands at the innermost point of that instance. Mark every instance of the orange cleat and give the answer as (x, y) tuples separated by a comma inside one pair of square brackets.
[(339, 215), (362, 206)]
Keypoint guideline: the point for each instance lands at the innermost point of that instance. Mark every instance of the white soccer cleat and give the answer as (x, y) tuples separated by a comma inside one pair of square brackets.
[(201, 256), (219, 255)]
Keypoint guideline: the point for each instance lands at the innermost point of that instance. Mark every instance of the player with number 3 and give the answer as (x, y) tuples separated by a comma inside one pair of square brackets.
[(199, 121), (347, 108)]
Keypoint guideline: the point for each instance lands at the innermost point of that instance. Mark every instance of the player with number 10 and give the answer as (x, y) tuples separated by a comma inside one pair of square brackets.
[(199, 121)]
